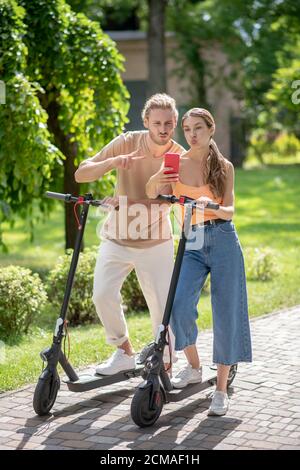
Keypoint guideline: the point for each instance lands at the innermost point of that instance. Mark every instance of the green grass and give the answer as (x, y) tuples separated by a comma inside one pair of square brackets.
[(48, 241), (23, 364), (267, 215)]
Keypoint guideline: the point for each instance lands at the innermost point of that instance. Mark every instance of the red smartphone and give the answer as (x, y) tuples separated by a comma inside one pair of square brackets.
[(171, 161)]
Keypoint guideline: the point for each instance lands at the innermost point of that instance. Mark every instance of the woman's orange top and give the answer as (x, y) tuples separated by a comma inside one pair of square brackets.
[(195, 192)]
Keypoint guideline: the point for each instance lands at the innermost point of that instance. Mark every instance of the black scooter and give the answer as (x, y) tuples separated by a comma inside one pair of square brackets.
[(157, 389), (49, 382)]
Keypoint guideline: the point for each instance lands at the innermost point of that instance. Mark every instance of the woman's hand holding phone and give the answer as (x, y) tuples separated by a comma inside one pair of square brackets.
[(171, 163), (165, 175)]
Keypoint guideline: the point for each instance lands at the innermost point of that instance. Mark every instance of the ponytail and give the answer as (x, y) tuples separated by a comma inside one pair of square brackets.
[(216, 170)]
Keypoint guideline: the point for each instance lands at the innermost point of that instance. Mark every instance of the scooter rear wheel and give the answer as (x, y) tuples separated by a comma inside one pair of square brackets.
[(141, 412), (45, 393)]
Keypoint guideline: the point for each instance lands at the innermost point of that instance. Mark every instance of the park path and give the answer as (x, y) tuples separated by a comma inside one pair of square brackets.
[(264, 406)]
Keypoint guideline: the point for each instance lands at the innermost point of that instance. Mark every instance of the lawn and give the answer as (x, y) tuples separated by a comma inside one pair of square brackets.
[(267, 215)]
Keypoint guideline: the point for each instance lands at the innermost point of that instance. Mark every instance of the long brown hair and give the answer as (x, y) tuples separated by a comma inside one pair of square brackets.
[(215, 172)]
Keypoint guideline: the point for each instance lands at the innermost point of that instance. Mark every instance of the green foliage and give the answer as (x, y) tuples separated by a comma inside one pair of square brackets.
[(22, 297), (27, 155), (260, 264), (109, 12), (286, 145), (284, 95), (64, 91), (79, 68), (257, 37), (271, 147), (13, 50)]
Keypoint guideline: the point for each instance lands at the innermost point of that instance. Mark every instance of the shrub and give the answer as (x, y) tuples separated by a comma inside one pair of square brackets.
[(260, 264), (81, 308), (286, 145), (22, 296)]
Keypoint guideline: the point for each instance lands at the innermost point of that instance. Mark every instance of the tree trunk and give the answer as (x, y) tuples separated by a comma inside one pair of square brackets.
[(157, 82), (69, 149), (237, 141)]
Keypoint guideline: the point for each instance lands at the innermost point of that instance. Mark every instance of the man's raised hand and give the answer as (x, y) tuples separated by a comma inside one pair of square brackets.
[(126, 162)]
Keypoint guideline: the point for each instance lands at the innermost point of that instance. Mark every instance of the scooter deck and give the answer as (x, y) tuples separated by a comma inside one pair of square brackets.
[(209, 378), (90, 381)]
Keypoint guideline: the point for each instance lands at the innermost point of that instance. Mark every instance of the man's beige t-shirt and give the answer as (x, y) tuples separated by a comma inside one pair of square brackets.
[(143, 223)]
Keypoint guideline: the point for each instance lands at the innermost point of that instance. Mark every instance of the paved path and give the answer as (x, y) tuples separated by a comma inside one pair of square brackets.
[(264, 411)]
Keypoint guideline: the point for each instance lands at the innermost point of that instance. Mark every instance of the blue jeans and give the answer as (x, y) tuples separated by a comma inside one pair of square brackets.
[(221, 256)]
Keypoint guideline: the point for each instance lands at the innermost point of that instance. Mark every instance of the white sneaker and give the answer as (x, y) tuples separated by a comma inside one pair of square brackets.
[(219, 405), (186, 376), (119, 361)]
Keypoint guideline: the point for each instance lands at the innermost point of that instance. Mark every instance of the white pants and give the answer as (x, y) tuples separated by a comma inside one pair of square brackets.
[(153, 266)]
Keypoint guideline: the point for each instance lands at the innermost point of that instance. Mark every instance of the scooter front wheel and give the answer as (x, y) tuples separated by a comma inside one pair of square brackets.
[(141, 411), (45, 392)]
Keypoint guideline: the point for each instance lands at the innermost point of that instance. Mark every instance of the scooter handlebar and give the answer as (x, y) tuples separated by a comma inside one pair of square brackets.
[(185, 200), (168, 198), (60, 196), (213, 205), (70, 198)]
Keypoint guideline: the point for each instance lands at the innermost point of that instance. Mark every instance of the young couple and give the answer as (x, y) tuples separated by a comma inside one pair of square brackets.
[(204, 174)]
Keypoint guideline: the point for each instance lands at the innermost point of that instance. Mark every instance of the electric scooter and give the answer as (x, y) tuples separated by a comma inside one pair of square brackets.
[(157, 389), (49, 382)]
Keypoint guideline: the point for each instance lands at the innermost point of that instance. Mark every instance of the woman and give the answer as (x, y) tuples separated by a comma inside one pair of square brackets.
[(207, 176)]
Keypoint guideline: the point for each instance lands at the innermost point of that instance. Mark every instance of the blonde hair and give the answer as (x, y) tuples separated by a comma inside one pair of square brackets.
[(215, 172), (160, 101)]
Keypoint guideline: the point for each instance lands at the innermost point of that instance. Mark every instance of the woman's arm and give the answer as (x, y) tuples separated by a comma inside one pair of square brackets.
[(160, 183)]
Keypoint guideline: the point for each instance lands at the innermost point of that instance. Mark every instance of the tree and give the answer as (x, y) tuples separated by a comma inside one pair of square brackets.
[(28, 157), (192, 33), (157, 81), (132, 14), (111, 14), (284, 93), (72, 70), (253, 34)]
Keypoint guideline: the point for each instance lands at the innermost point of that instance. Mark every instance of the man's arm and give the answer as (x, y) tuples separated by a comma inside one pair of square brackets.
[(89, 171), (94, 168), (109, 158)]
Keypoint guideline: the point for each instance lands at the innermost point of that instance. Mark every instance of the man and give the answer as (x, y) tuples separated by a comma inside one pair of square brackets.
[(136, 236)]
